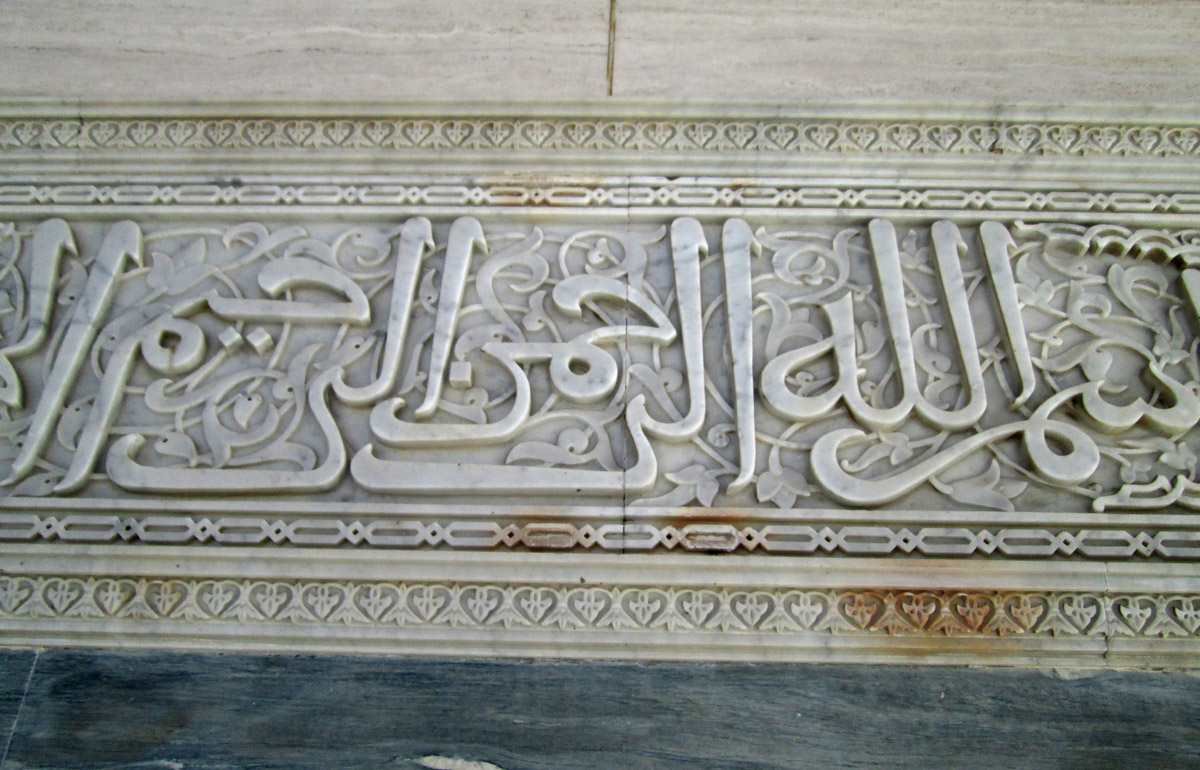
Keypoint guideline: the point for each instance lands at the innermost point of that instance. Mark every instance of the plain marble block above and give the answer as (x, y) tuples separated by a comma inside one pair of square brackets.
[(1076, 51), (497, 49), (929, 51)]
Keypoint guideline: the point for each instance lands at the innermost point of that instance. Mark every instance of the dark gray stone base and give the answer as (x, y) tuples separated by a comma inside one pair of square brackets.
[(79, 709)]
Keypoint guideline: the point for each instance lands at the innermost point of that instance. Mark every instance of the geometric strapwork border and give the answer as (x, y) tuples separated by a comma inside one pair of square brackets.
[(436, 337)]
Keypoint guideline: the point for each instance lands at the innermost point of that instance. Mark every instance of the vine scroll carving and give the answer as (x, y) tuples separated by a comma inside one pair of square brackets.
[(995, 365)]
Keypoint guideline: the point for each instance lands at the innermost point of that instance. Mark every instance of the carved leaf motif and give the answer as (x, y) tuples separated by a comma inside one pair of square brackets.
[(569, 450), (931, 360), (987, 490), (177, 274), (1124, 282), (71, 423), (770, 487), (1170, 349), (14, 593), (1177, 455), (1077, 355), (536, 318), (705, 487), (894, 446), (1134, 470), (719, 434), (37, 485), (806, 607), (1039, 297), (427, 293), (1084, 305), (294, 384), (216, 597), (694, 482), (172, 444), (779, 485)]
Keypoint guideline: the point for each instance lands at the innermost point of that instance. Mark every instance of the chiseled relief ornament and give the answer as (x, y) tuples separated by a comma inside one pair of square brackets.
[(993, 365)]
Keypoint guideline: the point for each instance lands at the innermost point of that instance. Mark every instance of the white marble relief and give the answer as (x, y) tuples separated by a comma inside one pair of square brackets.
[(986, 365)]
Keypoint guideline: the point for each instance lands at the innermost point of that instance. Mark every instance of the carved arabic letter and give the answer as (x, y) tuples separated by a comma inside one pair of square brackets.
[(1191, 287), (781, 400), (997, 246), (597, 370), (687, 246), (737, 244), (183, 353), (1184, 493), (416, 241), (890, 277), (571, 292), (393, 431), (1074, 466), (948, 248), (1175, 420), (466, 235), (123, 241), (297, 272), (400, 476), (50, 239), (128, 474)]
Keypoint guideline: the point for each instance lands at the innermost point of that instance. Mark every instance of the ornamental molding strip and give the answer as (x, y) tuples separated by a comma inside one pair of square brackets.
[(954, 359), (630, 126)]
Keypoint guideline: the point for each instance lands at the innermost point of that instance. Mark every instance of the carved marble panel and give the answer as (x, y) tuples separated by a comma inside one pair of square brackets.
[(999, 366), (917, 373)]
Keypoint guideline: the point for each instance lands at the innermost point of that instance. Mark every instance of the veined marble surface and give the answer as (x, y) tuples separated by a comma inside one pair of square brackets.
[(94, 710), (1045, 51)]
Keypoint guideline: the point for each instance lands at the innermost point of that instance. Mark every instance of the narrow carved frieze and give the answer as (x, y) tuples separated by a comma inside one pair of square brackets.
[(1032, 137), (703, 609)]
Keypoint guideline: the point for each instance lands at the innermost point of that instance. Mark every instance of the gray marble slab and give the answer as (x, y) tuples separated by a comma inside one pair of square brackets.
[(156, 710), (15, 668)]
